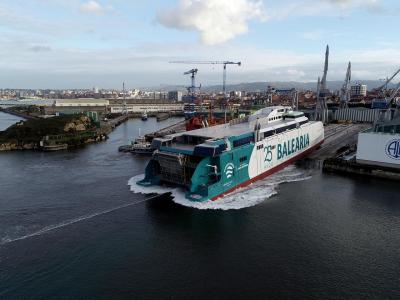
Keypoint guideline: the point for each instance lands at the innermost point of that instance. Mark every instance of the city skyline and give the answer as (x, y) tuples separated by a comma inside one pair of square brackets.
[(81, 44)]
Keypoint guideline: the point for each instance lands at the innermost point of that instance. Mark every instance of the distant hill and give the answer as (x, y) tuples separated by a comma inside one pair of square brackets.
[(262, 86)]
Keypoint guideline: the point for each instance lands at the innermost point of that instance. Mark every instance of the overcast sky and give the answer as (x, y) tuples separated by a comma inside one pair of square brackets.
[(81, 44)]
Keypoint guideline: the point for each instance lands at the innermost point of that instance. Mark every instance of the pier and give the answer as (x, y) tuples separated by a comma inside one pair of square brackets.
[(108, 126)]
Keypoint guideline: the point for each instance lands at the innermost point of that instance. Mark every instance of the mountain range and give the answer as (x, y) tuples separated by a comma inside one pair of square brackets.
[(262, 86)]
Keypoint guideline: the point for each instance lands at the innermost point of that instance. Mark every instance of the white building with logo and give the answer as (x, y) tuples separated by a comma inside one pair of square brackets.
[(380, 146)]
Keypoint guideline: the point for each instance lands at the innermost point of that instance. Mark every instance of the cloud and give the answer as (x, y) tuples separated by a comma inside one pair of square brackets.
[(350, 3), (39, 48), (309, 8), (312, 35), (217, 21), (93, 7)]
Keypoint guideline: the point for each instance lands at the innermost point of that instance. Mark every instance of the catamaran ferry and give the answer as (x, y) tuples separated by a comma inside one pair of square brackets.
[(214, 161)]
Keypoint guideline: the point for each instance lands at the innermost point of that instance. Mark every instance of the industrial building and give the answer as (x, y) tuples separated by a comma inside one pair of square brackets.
[(175, 96), (85, 102), (380, 146), (101, 106), (358, 90), (140, 106)]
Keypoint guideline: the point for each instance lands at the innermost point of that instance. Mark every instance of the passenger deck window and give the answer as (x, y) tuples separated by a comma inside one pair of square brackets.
[(243, 159)]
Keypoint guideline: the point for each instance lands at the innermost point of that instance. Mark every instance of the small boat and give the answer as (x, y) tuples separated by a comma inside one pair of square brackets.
[(162, 116), (54, 147), (125, 148), (144, 116), (141, 146)]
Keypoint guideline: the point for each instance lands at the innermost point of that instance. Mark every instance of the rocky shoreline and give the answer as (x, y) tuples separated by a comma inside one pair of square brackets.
[(58, 133)]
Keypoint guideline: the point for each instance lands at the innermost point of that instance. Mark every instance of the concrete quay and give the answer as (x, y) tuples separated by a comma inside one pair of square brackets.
[(336, 137), (351, 167), (337, 154)]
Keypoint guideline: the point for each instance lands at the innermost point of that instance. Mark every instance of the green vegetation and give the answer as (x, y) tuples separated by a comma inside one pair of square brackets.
[(27, 110), (32, 131)]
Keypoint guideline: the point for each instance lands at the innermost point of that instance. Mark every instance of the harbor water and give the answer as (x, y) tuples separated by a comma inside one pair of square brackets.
[(72, 228), (6, 120)]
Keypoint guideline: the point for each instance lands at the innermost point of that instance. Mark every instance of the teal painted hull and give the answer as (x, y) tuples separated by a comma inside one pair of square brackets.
[(213, 169)]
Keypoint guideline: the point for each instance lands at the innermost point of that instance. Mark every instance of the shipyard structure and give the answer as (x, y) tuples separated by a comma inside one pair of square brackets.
[(380, 145)]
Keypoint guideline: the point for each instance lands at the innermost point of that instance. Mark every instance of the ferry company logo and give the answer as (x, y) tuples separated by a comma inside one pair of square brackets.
[(292, 146), (393, 149), (229, 169)]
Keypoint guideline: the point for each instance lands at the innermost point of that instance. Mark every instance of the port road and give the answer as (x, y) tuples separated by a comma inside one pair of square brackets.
[(337, 136)]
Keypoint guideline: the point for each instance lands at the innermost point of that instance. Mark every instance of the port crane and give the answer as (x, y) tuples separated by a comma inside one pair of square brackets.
[(385, 85), (321, 107), (192, 89), (345, 91), (392, 97), (383, 90), (224, 63)]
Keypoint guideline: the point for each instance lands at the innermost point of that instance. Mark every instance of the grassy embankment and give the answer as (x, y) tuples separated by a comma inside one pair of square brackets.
[(72, 130)]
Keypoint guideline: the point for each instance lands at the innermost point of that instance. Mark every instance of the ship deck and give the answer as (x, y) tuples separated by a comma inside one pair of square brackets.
[(227, 130), (221, 131)]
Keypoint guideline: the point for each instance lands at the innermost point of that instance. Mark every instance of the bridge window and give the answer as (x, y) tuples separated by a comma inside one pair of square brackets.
[(303, 122), (268, 133), (280, 130), (243, 141)]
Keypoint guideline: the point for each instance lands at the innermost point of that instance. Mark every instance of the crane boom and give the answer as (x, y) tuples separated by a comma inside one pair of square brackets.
[(211, 62), (388, 80), (396, 90), (216, 62), (203, 62), (345, 93)]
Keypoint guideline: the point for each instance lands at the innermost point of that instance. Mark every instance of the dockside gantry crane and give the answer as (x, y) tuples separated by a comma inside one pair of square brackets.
[(345, 90)]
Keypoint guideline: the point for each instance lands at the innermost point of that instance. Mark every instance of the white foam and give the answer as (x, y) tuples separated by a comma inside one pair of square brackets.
[(251, 195)]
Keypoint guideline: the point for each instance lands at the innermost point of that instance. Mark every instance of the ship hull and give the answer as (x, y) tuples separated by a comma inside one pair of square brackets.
[(244, 165), (212, 162), (269, 172)]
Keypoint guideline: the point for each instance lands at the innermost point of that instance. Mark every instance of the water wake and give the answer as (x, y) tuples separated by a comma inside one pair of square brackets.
[(245, 197), (49, 228)]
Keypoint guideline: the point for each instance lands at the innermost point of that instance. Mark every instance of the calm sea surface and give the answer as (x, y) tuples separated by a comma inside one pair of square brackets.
[(71, 229), (6, 120)]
